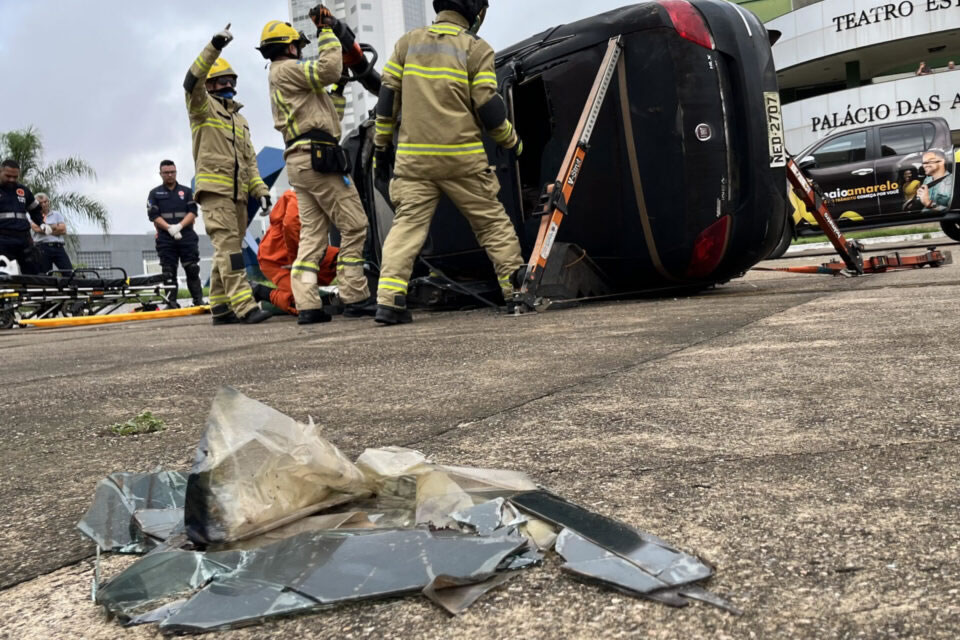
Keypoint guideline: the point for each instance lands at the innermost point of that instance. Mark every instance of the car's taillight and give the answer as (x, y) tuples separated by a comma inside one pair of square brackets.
[(688, 22), (709, 248)]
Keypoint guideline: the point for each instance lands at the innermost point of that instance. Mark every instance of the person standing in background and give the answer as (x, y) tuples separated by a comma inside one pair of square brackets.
[(50, 238)]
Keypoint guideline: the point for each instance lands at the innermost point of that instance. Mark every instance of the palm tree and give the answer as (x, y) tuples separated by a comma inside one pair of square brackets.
[(26, 147)]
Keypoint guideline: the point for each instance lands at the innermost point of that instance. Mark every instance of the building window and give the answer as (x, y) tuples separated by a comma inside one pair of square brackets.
[(366, 6), (150, 256), (95, 259), (367, 27)]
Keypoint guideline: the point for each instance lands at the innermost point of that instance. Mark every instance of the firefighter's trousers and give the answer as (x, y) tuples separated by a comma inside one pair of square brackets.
[(325, 199), (415, 202), (226, 222)]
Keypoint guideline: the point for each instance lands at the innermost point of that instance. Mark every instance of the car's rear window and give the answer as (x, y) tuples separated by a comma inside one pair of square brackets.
[(843, 150)]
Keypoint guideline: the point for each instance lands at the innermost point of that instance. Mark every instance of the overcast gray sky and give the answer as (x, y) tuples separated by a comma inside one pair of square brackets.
[(102, 79)]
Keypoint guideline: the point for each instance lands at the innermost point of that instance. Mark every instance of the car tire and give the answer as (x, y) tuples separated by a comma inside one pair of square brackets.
[(7, 319), (786, 238), (952, 229)]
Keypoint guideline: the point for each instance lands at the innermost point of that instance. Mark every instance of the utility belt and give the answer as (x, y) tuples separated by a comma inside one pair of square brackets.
[(326, 154), (176, 215), (13, 215)]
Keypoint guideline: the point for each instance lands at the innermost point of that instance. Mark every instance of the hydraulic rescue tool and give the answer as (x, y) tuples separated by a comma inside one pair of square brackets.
[(553, 202), (850, 251)]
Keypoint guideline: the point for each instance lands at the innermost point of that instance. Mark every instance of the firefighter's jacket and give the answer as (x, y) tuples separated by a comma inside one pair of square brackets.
[(226, 163), (444, 87), (298, 94)]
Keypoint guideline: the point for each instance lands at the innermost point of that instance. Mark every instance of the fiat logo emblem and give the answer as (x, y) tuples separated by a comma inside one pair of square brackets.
[(704, 132)]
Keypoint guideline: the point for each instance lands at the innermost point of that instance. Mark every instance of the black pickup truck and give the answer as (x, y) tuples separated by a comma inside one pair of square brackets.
[(881, 176)]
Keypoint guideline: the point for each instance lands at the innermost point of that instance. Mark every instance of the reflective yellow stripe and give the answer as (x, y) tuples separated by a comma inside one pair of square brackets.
[(390, 287), (393, 284), (445, 30), (216, 123), (219, 299), (440, 149), (393, 69), (436, 73), (300, 267), (323, 44), (202, 64), (310, 71), (253, 183), (287, 113), (456, 72), (484, 82), (242, 297), (503, 137), (214, 178)]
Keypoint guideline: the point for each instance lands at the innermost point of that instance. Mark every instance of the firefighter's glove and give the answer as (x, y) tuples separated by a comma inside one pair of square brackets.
[(322, 17), (47, 229), (222, 39), (381, 164), (265, 204), (518, 150), (174, 231)]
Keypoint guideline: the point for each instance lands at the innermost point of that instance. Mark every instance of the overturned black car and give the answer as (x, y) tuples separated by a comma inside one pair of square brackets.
[(683, 184)]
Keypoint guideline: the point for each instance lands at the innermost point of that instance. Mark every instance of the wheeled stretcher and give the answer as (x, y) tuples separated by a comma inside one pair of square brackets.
[(83, 292)]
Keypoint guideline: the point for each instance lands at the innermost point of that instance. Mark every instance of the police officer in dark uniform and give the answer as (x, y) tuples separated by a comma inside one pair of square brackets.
[(17, 208), (172, 211)]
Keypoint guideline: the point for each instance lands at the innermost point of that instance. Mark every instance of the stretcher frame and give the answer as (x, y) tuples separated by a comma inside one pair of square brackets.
[(81, 292)]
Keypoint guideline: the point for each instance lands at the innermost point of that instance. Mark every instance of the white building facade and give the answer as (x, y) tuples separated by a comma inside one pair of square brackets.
[(848, 63), (379, 23)]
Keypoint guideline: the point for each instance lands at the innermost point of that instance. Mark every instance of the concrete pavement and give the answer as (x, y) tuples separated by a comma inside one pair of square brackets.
[(799, 432)]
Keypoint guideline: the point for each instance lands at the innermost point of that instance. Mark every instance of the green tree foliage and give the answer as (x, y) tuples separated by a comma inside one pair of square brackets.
[(26, 147)]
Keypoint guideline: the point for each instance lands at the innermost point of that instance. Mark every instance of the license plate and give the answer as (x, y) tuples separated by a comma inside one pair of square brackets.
[(778, 153)]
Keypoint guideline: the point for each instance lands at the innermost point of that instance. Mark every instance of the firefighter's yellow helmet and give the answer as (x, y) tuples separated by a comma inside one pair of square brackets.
[(277, 32), (220, 69)]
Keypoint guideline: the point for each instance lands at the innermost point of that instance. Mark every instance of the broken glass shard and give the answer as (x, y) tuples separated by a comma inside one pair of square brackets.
[(670, 566), (487, 517), (110, 519), (454, 597), (311, 569)]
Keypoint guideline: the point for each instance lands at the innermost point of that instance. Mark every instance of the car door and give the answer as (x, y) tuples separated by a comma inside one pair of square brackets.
[(898, 167), (843, 166)]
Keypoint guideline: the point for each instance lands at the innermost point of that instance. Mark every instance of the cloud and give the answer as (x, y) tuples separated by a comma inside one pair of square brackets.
[(103, 80)]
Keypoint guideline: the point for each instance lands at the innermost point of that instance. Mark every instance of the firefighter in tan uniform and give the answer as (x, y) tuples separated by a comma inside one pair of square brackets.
[(441, 85), (317, 168), (226, 176)]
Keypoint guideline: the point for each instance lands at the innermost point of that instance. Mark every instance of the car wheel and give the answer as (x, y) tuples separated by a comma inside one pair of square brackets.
[(7, 319), (786, 238), (952, 229)]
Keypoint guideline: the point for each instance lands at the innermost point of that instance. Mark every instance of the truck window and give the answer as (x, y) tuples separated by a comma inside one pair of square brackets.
[(903, 139), (929, 131), (843, 150)]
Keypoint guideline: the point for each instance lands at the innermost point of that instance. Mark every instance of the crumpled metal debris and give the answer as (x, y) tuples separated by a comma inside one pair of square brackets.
[(326, 531)]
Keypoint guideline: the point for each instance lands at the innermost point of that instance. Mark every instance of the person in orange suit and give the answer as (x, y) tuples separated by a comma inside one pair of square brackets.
[(278, 251)]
